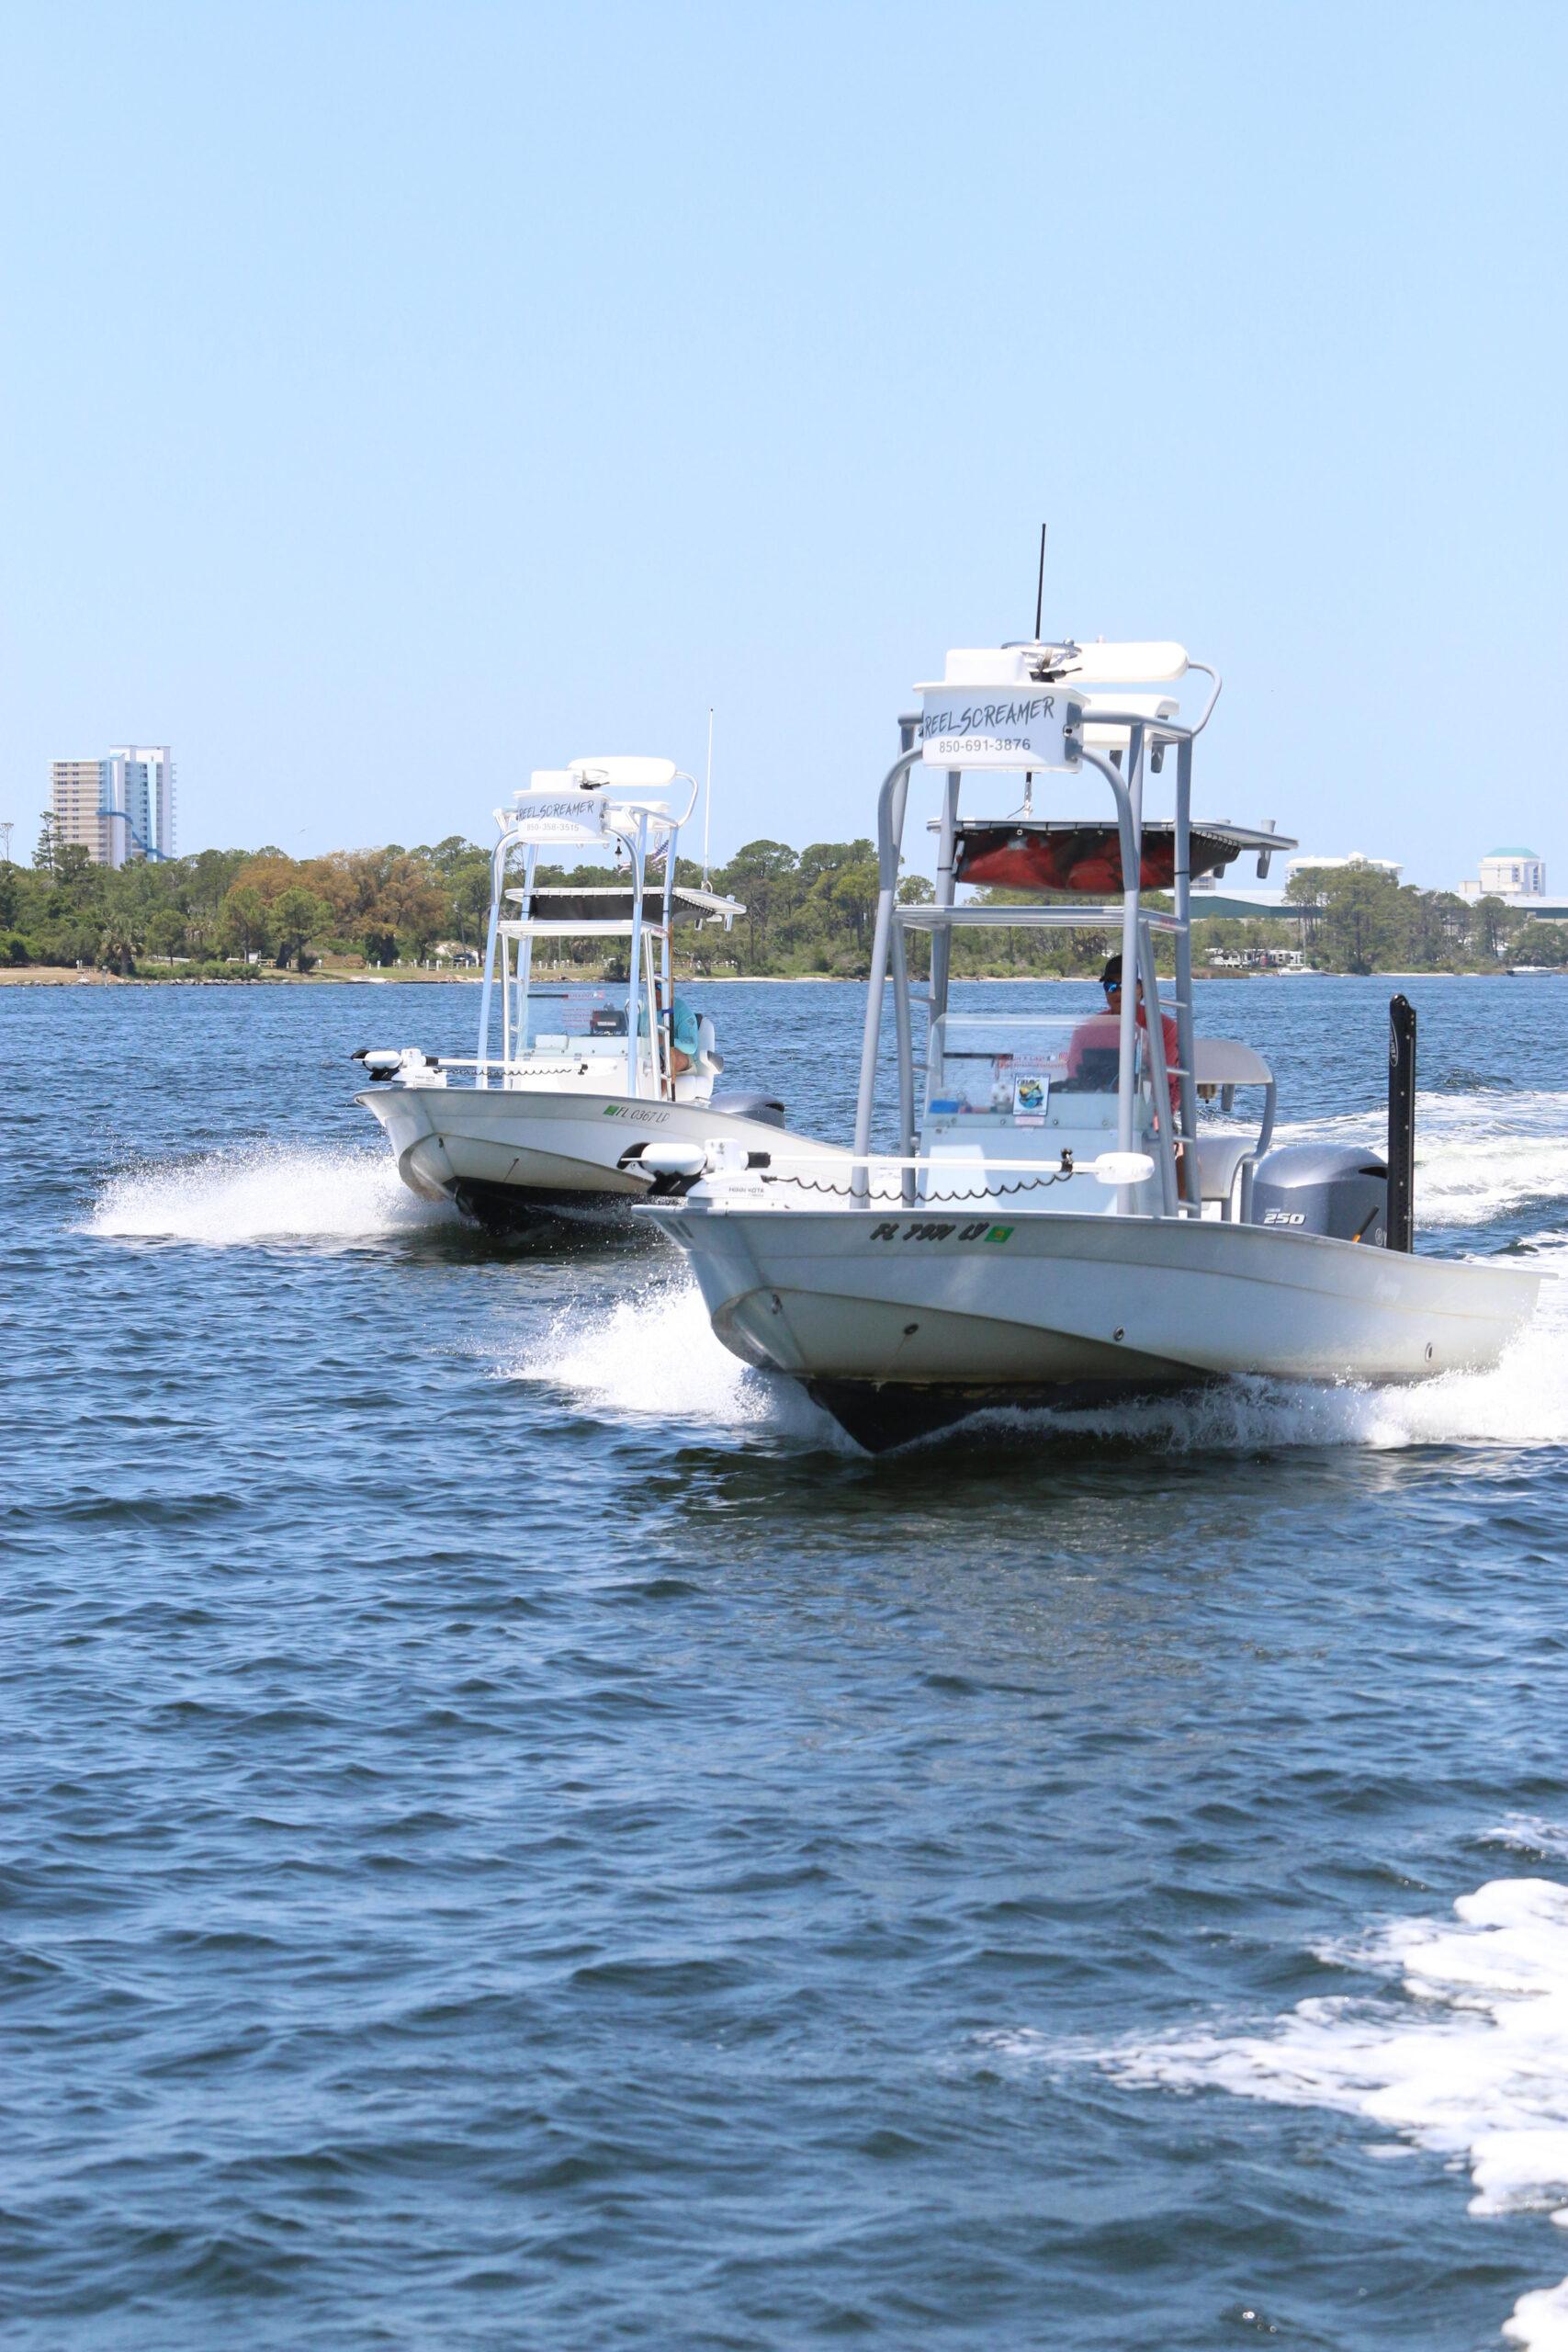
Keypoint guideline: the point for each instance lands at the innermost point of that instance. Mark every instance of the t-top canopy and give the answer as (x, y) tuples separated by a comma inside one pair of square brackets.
[(623, 772), (573, 803), (1156, 662), (1101, 737), (1019, 706), (1065, 854), (616, 903)]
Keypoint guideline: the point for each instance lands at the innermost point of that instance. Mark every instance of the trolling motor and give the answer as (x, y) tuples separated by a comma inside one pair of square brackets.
[(389, 1061)]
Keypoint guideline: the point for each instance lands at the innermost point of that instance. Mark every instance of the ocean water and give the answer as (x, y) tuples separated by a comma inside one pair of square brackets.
[(516, 1833)]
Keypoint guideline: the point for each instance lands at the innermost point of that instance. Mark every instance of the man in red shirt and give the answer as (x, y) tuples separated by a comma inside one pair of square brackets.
[(1111, 981)]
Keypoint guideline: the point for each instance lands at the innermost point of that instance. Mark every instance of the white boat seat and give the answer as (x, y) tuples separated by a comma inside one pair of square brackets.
[(1225, 1061), (1219, 1156)]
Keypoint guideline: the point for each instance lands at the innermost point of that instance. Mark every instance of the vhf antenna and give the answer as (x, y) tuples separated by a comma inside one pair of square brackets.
[(1038, 608), (707, 803)]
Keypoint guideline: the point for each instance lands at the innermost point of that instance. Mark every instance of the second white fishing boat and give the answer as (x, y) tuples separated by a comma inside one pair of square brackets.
[(596, 1085)]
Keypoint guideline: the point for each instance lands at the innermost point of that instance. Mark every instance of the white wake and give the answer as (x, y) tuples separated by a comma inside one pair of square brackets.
[(655, 1358), (1465, 2054), (1478, 1156), (263, 1192)]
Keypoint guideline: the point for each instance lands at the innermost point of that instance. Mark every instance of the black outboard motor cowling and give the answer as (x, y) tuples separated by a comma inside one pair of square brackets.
[(1326, 1188)]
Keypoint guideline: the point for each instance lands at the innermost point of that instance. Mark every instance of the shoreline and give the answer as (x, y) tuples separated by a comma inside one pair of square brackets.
[(65, 975)]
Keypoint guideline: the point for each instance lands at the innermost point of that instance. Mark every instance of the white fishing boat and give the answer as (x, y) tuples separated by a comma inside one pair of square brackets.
[(1054, 1228), (594, 1084)]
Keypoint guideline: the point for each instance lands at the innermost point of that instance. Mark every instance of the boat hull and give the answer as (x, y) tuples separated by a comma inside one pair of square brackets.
[(513, 1156), (899, 1325)]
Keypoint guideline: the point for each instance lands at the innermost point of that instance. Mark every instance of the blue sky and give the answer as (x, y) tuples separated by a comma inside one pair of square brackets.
[(397, 398)]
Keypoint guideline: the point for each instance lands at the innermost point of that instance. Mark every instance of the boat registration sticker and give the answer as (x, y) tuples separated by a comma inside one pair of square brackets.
[(921, 1231), (1031, 1091)]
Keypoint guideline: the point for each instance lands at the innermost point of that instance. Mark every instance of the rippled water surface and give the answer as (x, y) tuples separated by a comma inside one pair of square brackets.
[(516, 1833)]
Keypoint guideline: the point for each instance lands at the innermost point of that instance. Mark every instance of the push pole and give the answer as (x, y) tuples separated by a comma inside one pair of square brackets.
[(1401, 1218)]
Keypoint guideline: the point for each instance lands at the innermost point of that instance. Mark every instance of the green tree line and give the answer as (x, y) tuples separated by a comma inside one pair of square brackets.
[(1356, 919), (233, 912)]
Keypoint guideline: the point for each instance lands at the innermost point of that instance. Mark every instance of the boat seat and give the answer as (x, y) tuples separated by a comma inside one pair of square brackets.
[(1225, 1061), (1219, 1156)]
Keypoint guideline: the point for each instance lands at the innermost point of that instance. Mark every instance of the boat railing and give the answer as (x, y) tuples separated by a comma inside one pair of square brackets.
[(1120, 1170)]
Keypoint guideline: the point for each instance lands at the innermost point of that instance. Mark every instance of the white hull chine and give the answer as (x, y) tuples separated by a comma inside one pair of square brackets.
[(502, 1152), (938, 1315)]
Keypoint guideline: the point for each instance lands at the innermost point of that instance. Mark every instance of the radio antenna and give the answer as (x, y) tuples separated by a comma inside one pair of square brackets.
[(708, 802), (1038, 608)]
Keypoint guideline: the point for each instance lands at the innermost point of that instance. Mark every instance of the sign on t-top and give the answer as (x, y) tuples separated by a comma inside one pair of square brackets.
[(555, 808), (988, 712)]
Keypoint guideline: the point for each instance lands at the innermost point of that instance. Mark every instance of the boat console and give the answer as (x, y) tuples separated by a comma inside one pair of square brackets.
[(1024, 1088)]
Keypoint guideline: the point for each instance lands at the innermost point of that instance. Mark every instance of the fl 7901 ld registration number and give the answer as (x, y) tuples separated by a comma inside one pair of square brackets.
[(982, 1230)]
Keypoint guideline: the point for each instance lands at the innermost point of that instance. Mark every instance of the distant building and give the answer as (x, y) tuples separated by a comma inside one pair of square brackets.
[(118, 808), (74, 790), (1357, 857), (1517, 874)]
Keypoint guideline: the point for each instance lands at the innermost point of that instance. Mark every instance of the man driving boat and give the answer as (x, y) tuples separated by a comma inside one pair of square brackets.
[(1092, 1051), (1111, 981), (685, 1038)]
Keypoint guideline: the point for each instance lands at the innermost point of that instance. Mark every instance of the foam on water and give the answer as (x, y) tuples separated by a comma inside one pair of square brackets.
[(1478, 1155), (263, 1192), (1526, 1833), (1465, 2055), (656, 1357)]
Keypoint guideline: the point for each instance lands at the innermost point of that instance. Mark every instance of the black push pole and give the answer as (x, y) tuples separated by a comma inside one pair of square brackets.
[(1401, 1223)]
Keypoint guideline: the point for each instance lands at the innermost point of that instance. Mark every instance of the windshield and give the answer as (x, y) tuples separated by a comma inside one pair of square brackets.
[(586, 1020), (1020, 1066)]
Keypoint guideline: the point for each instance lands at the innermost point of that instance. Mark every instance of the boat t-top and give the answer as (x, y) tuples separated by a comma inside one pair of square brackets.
[(1053, 1228), (593, 1084)]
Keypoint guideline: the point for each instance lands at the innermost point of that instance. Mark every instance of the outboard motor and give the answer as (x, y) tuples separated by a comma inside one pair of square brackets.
[(1326, 1188)]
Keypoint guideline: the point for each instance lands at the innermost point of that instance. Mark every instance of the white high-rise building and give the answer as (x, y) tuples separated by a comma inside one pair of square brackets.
[(136, 794), (117, 808), (1515, 875)]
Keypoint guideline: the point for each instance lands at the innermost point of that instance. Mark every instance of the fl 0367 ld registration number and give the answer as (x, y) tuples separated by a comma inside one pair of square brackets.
[(981, 1230)]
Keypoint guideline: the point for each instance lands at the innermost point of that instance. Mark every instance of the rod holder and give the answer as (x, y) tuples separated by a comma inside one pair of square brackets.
[(1401, 1124)]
